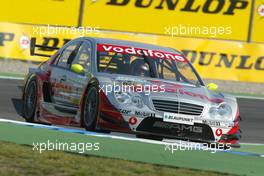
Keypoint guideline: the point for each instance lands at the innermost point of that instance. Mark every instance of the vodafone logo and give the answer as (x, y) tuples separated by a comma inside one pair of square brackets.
[(218, 132), (141, 52), (24, 42), (132, 120), (261, 10)]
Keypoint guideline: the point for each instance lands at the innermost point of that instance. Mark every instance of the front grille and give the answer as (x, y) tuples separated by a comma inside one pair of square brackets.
[(156, 126), (178, 107)]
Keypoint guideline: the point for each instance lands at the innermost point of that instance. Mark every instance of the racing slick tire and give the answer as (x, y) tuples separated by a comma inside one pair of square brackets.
[(90, 110), (30, 100)]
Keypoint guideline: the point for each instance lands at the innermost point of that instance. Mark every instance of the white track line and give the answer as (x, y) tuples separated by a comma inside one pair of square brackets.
[(11, 77)]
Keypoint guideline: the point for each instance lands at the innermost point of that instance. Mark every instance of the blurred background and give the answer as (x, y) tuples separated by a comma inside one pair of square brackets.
[(223, 39)]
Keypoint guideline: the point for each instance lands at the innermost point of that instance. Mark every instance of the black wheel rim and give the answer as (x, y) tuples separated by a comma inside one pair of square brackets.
[(30, 102), (91, 106)]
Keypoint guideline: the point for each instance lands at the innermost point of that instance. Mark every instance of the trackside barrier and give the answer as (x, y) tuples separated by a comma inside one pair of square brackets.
[(212, 58)]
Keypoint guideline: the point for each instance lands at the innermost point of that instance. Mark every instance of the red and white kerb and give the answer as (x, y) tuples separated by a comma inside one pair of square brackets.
[(140, 52)]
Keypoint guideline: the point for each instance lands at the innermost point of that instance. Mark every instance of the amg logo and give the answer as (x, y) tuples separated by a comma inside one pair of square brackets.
[(178, 127)]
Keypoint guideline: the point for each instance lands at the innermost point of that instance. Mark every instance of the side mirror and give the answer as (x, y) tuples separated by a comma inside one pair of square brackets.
[(77, 68), (212, 86)]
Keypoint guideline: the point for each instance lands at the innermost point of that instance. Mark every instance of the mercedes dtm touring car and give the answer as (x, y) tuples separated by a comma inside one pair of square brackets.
[(115, 85)]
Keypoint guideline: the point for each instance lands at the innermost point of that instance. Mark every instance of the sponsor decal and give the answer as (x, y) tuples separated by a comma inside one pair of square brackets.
[(24, 42), (125, 111), (178, 127), (144, 114), (6, 37), (132, 120), (137, 113), (224, 60), (169, 13), (212, 123), (141, 52), (176, 118), (206, 7), (261, 10), (218, 132), (258, 22)]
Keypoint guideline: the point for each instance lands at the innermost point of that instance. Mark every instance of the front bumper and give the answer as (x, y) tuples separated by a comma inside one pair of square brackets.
[(157, 127)]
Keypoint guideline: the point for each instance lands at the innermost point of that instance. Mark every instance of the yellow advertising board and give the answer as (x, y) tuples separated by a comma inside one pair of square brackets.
[(214, 59), (53, 12), (258, 22), (193, 18), (15, 39)]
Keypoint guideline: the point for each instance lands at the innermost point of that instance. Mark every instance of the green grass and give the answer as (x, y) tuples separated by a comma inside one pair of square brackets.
[(258, 149), (22, 160), (135, 151)]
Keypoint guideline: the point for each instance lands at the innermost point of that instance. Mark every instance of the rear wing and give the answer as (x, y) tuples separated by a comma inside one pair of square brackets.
[(33, 46)]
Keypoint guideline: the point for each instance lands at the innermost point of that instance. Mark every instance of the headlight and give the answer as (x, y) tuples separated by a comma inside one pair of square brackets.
[(223, 111), (122, 97), (129, 99), (137, 101)]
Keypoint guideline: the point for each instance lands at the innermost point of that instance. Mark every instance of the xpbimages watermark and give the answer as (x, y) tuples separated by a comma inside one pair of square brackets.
[(190, 30), (59, 30), (79, 147), (117, 87), (190, 146)]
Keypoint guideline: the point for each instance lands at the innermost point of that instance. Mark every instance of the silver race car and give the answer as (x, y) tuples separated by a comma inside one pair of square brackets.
[(114, 85)]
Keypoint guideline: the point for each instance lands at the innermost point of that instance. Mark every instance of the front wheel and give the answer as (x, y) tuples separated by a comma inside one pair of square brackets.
[(91, 107), (30, 100)]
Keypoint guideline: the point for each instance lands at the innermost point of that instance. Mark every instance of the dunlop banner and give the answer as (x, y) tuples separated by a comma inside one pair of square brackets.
[(15, 39), (214, 59), (258, 23), (219, 19), (53, 12)]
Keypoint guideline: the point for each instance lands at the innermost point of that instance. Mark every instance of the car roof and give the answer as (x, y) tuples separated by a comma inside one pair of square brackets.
[(131, 44)]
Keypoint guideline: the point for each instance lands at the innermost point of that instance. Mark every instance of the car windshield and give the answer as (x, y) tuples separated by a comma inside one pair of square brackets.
[(146, 63)]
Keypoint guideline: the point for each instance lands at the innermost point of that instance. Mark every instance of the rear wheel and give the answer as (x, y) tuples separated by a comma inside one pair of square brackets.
[(91, 107), (30, 100)]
